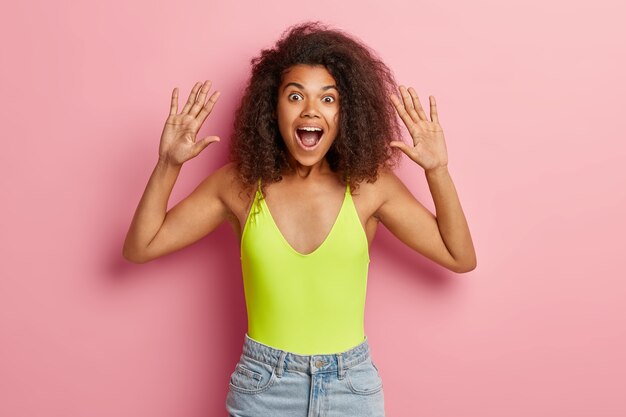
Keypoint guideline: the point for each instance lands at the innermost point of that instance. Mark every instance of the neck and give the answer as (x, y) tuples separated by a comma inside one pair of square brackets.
[(303, 172)]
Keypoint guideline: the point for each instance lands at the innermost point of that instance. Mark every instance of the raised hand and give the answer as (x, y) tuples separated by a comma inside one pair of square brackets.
[(429, 147), (178, 140)]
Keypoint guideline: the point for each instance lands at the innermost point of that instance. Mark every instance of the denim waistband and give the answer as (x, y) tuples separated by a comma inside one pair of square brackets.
[(311, 364)]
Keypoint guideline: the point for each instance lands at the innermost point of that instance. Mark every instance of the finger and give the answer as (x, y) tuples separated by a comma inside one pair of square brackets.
[(406, 118), (433, 110), (418, 105), (191, 99), (174, 102), (199, 104), (208, 107), (400, 145), (408, 104), (201, 144)]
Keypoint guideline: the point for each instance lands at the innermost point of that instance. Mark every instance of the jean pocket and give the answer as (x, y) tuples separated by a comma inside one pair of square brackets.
[(364, 378), (251, 376)]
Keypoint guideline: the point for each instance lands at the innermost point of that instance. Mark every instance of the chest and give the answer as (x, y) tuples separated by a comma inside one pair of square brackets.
[(305, 219)]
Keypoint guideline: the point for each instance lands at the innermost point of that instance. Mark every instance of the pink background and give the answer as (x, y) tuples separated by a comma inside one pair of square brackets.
[(531, 99)]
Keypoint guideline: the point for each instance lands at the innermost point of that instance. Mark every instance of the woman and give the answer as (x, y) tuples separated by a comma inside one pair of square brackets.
[(315, 125)]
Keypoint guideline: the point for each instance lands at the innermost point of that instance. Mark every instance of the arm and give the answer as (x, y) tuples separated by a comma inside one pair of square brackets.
[(451, 219), (150, 212), (445, 238), (153, 232)]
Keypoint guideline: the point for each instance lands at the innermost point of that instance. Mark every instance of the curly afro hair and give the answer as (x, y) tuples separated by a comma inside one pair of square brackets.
[(367, 117)]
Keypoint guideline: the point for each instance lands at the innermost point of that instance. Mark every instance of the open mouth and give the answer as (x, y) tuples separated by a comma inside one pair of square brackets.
[(309, 137)]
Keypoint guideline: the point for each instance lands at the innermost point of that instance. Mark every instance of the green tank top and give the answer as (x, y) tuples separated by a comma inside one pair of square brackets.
[(305, 303)]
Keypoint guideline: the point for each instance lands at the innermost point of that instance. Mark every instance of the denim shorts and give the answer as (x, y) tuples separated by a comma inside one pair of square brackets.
[(276, 383)]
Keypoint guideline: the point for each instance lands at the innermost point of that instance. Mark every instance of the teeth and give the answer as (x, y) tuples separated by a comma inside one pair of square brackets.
[(310, 129)]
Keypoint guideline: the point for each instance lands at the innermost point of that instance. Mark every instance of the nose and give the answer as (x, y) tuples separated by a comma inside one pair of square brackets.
[(310, 109)]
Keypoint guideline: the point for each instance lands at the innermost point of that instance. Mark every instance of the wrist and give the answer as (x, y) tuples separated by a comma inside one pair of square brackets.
[(442, 169), (166, 163)]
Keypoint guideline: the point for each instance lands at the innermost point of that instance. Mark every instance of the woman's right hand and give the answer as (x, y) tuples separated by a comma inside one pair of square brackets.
[(178, 140)]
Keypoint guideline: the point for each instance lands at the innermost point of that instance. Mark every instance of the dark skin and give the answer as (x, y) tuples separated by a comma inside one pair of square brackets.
[(306, 202)]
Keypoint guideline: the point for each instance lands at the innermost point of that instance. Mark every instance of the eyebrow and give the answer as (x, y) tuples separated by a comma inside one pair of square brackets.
[(300, 86)]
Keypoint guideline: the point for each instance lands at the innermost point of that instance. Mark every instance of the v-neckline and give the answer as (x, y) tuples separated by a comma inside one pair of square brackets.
[(282, 237)]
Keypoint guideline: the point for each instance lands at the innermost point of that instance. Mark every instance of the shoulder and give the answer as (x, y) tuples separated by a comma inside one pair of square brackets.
[(386, 188), (227, 177), (387, 178), (371, 196), (387, 183), (232, 190)]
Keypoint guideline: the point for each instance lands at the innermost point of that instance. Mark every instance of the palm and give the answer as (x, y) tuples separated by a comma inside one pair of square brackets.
[(429, 146), (179, 138)]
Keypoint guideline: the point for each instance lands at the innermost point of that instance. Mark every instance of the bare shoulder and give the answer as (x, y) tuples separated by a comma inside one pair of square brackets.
[(218, 181), (235, 195), (226, 176), (379, 192), (387, 177)]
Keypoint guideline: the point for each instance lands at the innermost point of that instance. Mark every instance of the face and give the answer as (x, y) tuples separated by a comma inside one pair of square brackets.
[(308, 112)]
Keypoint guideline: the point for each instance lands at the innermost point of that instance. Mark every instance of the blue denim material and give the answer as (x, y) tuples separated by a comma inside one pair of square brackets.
[(275, 383)]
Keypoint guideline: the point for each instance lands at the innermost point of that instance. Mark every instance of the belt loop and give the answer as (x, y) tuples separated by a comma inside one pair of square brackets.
[(279, 365), (341, 372)]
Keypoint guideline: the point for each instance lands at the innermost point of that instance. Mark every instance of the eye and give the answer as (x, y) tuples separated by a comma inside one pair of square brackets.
[(293, 95), (332, 99)]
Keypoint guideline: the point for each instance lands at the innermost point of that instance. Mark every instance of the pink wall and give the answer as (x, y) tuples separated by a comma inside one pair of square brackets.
[(530, 96)]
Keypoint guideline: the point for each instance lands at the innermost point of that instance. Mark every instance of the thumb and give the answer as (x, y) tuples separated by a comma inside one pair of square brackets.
[(398, 144), (204, 142)]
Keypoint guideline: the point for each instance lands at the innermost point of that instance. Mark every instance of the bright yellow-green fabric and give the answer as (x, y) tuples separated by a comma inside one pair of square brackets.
[(305, 303)]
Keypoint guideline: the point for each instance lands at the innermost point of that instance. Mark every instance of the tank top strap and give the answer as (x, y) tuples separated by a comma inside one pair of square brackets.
[(258, 187), (255, 207)]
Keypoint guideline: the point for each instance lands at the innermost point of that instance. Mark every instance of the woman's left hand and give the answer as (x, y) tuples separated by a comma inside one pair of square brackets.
[(429, 147)]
